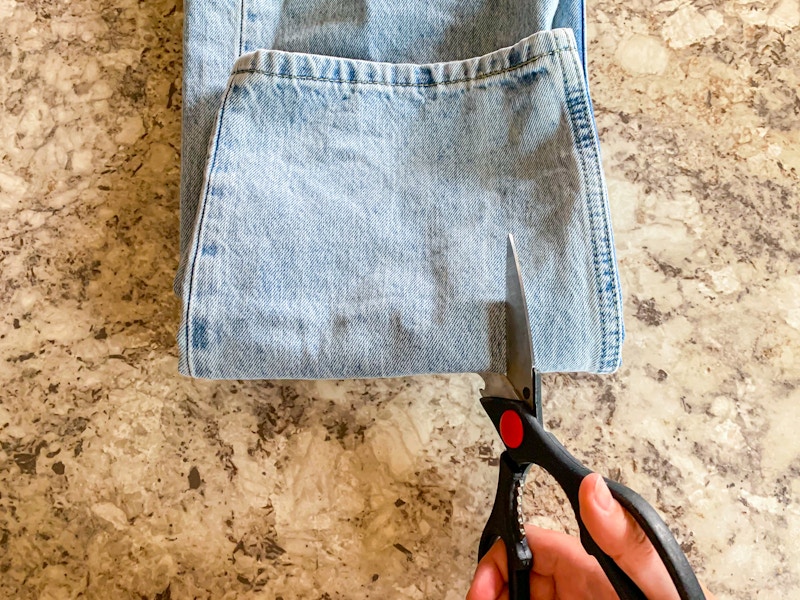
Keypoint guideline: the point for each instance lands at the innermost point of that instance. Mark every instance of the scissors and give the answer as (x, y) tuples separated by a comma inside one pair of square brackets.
[(513, 401)]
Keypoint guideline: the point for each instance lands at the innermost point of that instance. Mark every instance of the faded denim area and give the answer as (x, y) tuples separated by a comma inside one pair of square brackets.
[(353, 216), (217, 32)]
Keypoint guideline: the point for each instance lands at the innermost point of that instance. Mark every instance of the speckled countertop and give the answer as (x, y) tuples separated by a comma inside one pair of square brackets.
[(121, 479)]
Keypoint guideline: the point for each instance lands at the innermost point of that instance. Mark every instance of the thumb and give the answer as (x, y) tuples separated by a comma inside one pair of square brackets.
[(619, 536)]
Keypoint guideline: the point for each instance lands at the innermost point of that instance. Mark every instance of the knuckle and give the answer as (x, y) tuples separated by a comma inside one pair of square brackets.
[(637, 535), (638, 547)]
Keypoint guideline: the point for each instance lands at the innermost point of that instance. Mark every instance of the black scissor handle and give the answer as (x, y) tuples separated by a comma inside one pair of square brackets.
[(505, 524), (542, 448)]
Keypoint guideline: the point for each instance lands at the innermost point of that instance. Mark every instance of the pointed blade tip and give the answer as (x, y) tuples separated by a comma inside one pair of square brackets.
[(519, 345)]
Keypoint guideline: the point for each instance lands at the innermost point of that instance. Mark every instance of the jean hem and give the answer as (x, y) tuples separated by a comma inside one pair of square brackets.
[(603, 256), (184, 334), (331, 69)]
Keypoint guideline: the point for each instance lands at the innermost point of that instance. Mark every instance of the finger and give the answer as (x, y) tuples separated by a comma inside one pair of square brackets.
[(490, 576), (619, 536), (561, 562), (550, 549), (543, 587), (496, 556), (486, 584), (554, 551)]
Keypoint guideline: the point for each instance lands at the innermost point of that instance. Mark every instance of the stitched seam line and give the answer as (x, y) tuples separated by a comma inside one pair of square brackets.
[(417, 85), (195, 251), (601, 257), (582, 129), (577, 141), (241, 27), (607, 279)]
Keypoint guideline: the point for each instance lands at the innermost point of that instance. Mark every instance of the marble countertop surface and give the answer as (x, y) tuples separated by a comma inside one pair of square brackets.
[(121, 479)]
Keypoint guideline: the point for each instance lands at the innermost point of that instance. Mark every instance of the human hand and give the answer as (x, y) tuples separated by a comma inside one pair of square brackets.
[(563, 570)]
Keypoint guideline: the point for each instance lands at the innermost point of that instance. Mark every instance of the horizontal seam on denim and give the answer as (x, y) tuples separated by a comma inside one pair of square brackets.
[(476, 78)]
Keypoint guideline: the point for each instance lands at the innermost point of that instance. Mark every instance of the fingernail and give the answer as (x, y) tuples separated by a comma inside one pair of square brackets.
[(602, 495)]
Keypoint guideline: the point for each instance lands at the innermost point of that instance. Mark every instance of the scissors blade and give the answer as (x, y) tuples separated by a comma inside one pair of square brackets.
[(519, 346), (520, 381)]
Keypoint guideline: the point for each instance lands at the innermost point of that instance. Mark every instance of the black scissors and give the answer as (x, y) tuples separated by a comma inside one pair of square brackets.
[(514, 403)]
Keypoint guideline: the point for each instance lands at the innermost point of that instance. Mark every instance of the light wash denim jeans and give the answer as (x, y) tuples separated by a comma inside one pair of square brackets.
[(347, 193)]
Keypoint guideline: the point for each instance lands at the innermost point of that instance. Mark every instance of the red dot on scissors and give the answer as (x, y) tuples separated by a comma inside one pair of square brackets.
[(511, 429)]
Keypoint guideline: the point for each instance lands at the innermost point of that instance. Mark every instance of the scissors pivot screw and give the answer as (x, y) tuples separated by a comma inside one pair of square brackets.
[(511, 429)]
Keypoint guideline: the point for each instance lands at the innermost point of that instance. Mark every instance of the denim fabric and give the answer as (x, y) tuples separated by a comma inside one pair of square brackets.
[(353, 217), (217, 32)]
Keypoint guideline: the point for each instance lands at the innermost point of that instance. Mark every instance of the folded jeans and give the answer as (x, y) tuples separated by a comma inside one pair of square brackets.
[(351, 215)]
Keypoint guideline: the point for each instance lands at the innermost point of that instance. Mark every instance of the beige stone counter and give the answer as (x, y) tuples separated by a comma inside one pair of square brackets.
[(120, 479)]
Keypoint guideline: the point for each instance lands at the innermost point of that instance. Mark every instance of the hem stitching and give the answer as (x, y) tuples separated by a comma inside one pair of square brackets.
[(416, 85)]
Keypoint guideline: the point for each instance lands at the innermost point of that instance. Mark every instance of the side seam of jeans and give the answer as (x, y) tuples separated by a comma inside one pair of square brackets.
[(603, 256), (242, 17), (187, 330)]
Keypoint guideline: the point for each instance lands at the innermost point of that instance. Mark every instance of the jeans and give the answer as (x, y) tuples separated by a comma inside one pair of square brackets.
[(350, 172)]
